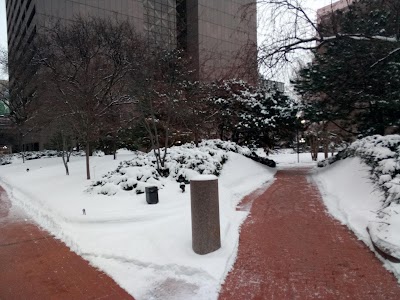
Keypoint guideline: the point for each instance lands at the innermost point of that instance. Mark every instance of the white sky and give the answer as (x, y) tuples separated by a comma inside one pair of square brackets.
[(312, 4), (315, 4)]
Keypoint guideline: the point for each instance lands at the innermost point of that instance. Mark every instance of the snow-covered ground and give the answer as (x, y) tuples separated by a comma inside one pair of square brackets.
[(145, 248), (352, 197), (288, 158)]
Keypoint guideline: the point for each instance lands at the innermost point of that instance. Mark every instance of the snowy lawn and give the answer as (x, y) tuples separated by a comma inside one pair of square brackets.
[(287, 158), (354, 198), (145, 248)]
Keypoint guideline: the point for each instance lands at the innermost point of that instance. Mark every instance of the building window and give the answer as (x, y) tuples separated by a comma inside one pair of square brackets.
[(181, 24), (160, 22)]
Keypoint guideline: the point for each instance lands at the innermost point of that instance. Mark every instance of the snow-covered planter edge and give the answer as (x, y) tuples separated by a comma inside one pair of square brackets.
[(385, 248)]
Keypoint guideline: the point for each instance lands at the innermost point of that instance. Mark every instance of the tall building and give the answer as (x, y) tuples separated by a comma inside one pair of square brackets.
[(219, 35)]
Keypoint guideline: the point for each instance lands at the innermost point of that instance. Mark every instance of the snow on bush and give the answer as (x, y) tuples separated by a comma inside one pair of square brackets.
[(30, 155), (182, 164), (243, 150), (5, 159)]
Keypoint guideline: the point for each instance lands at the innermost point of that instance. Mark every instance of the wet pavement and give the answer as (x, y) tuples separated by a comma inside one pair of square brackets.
[(35, 265), (290, 248)]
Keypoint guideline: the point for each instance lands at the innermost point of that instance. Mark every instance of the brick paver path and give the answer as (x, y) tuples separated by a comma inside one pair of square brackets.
[(34, 265), (290, 248)]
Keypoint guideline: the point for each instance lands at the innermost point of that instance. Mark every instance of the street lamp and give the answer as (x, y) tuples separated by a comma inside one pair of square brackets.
[(302, 122)]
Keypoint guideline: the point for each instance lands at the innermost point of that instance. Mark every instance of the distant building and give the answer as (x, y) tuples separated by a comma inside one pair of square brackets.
[(273, 85), (328, 9)]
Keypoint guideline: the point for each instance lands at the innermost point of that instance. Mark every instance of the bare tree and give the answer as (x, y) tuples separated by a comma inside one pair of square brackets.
[(86, 64), (196, 111), (63, 141), (20, 95), (291, 27), (160, 93)]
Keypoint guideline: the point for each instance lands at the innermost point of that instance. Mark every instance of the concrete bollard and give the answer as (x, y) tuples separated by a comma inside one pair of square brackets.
[(205, 214)]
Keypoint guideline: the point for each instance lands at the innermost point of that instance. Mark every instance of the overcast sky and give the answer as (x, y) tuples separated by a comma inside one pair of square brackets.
[(312, 4)]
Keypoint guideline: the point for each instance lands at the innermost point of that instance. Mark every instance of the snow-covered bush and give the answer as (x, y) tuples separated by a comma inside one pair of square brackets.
[(249, 115), (182, 164), (98, 153), (382, 154), (243, 150), (5, 159), (31, 155)]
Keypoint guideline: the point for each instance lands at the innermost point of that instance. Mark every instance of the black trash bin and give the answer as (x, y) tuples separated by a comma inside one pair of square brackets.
[(151, 194)]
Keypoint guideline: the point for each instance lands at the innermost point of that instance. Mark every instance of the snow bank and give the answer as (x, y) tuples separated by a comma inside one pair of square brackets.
[(350, 195), (362, 191), (145, 248)]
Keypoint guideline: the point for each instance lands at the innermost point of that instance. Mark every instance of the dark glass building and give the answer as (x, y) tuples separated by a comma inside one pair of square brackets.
[(219, 35)]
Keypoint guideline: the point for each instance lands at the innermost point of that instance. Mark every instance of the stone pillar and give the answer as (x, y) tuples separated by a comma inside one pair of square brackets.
[(205, 214)]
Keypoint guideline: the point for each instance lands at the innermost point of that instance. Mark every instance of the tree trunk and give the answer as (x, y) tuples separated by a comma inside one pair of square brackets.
[(314, 148), (196, 137), (21, 147), (23, 153), (65, 164), (115, 148), (326, 149), (65, 153), (87, 160)]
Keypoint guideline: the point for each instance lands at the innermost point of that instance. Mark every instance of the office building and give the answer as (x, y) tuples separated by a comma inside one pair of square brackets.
[(219, 35)]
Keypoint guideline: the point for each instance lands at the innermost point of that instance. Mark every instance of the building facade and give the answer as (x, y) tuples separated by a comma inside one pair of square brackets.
[(220, 35), (328, 9)]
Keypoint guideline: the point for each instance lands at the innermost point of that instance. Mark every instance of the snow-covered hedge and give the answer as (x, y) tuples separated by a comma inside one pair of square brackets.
[(30, 155), (243, 150), (382, 154), (182, 163)]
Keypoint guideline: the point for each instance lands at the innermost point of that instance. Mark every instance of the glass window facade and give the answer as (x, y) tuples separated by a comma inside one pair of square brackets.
[(219, 35), (227, 39), (160, 22)]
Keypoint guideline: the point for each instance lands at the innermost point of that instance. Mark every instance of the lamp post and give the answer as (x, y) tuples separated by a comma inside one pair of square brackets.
[(302, 122)]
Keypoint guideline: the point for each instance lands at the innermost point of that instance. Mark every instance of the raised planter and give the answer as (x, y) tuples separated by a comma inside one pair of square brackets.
[(386, 249)]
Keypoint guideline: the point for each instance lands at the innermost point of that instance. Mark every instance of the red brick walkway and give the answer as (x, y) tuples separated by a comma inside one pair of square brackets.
[(291, 249), (34, 265)]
